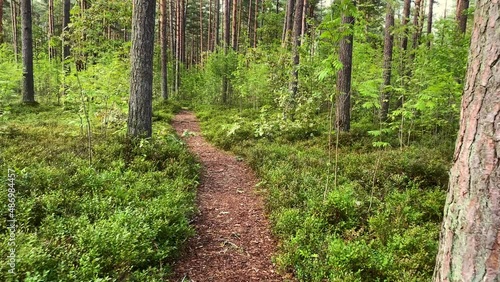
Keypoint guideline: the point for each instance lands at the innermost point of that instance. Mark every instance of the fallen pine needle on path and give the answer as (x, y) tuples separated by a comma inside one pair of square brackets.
[(232, 241)]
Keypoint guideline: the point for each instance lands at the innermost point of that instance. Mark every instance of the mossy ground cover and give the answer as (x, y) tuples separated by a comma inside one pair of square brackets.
[(378, 219), (114, 210)]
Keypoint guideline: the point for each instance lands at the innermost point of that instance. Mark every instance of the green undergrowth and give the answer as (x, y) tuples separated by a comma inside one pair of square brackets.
[(118, 211), (376, 219)]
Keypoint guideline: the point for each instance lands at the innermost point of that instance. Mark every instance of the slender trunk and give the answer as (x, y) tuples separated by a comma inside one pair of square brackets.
[(234, 34), (462, 6), (429, 22), (249, 23), (469, 245), (255, 24), (287, 28), (1, 21), (27, 49), (163, 46), (416, 24), (201, 30), (297, 33), (66, 21), (13, 16), (209, 47), (304, 22), (388, 46), (404, 70), (343, 117), (50, 31), (238, 25), (217, 22), (141, 76), (225, 82)]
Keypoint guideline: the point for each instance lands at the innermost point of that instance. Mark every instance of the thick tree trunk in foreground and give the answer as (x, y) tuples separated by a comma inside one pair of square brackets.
[(469, 248), (388, 45), (163, 46), (343, 116), (27, 35), (141, 76), (462, 6)]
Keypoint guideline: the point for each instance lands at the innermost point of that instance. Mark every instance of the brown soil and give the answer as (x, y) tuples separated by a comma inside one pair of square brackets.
[(232, 241)]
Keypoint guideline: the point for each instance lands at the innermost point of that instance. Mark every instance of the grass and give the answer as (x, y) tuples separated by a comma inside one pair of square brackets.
[(378, 221), (122, 216)]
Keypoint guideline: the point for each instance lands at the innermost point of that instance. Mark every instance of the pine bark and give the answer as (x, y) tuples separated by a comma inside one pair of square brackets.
[(343, 117), (66, 21), (1, 21), (234, 33), (201, 31), (217, 22), (13, 16), (469, 248), (416, 25), (249, 24), (50, 31), (462, 6), (297, 33), (141, 76), (27, 50), (227, 42), (404, 23), (288, 25), (255, 23), (388, 47), (429, 22), (163, 46)]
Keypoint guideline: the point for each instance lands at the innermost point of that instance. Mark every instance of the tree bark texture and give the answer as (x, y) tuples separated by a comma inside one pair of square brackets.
[(66, 21), (469, 248), (297, 33), (287, 28), (163, 46), (388, 46), (462, 6), (234, 33), (227, 42), (27, 50), (343, 116), (141, 76), (429, 21), (1, 21)]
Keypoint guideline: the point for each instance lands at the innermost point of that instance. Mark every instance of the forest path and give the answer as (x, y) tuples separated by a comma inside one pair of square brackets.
[(232, 241)]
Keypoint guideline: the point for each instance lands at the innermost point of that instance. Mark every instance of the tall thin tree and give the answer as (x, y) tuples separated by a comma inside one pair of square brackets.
[(66, 21), (234, 24), (50, 31), (227, 42), (388, 46), (469, 245), (343, 116), (297, 34), (429, 22), (27, 50), (461, 15), (163, 46), (141, 76), (1, 21), (13, 17)]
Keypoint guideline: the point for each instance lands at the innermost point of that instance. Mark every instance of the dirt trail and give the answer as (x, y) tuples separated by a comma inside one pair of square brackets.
[(232, 241)]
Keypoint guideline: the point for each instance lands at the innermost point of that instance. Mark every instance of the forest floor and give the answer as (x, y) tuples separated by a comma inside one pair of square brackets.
[(232, 241)]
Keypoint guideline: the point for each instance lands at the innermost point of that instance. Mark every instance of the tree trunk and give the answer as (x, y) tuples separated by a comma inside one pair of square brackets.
[(66, 21), (287, 29), (343, 117), (27, 49), (234, 34), (416, 24), (13, 16), (163, 46), (256, 23), (1, 21), (249, 24), (462, 6), (469, 248), (50, 31), (297, 33), (141, 76), (209, 30), (404, 23), (225, 83), (304, 21), (388, 44), (217, 22), (201, 30), (429, 22)]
